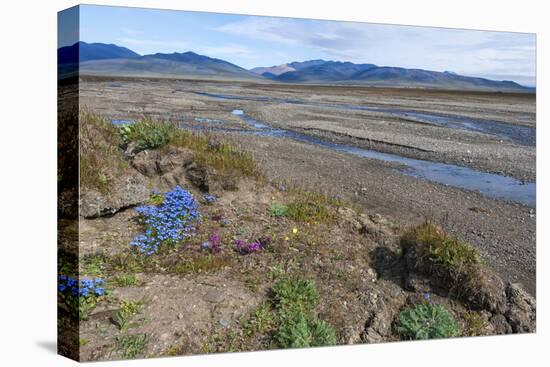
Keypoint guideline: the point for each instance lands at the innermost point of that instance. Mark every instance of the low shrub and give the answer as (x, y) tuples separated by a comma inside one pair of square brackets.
[(426, 321)]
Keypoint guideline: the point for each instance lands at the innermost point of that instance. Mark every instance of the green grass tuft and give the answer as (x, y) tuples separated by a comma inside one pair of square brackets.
[(92, 265), (426, 321), (222, 156), (131, 346), (147, 134), (125, 280), (299, 326), (311, 207), (126, 312), (278, 210), (440, 247), (261, 321)]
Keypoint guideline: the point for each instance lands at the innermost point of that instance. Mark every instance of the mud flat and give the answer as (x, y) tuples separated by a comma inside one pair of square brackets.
[(368, 118)]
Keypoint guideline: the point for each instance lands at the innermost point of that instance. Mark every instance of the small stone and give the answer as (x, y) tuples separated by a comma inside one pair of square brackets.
[(224, 322), (213, 296), (180, 316), (164, 337)]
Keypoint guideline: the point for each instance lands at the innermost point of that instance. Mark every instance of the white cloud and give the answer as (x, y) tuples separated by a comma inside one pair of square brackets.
[(478, 53), (227, 50), (145, 46)]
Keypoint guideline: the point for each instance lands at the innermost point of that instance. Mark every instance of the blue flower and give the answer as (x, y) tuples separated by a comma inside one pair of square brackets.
[(168, 223)]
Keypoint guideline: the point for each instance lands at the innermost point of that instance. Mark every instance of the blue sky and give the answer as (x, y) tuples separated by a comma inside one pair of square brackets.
[(250, 41)]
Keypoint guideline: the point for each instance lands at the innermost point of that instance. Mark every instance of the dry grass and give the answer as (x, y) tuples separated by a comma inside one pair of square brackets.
[(100, 157), (439, 246), (219, 155)]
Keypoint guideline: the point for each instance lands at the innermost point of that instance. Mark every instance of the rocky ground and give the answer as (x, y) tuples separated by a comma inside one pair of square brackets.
[(503, 232), (188, 299)]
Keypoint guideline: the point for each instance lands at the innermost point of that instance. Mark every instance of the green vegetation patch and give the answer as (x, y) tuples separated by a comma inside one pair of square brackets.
[(309, 206), (440, 247), (126, 280), (426, 321), (131, 346), (126, 312), (200, 264), (278, 210), (222, 156), (298, 325), (147, 134)]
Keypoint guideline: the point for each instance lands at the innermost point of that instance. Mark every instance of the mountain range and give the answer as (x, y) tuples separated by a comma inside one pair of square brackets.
[(113, 60)]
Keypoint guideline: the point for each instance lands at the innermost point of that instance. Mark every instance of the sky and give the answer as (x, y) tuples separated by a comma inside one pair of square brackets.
[(251, 41)]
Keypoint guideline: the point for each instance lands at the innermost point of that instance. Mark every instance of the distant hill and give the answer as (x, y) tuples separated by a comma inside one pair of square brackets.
[(322, 71), (110, 59), (188, 64), (82, 51), (328, 71)]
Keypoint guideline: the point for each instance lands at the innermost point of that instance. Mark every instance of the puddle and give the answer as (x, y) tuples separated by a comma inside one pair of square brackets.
[(518, 134)]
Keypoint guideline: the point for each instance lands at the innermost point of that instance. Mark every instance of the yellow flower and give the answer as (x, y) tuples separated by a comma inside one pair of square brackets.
[(294, 230), (286, 238)]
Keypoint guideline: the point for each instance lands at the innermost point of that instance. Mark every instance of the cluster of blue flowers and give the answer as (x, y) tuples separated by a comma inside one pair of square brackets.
[(84, 288), (167, 223)]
